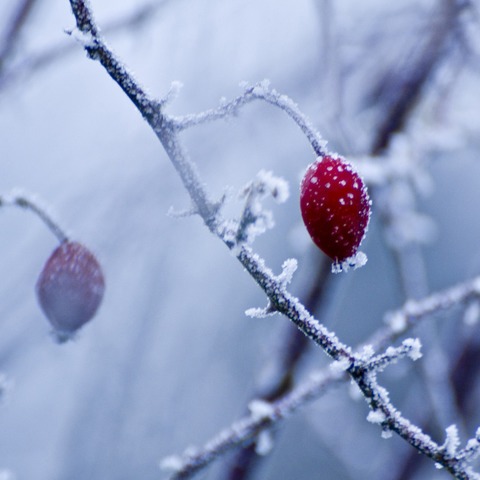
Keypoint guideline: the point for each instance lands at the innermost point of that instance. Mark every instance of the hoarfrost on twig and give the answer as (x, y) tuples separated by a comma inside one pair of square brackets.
[(264, 443), (452, 441), (255, 220), (260, 409)]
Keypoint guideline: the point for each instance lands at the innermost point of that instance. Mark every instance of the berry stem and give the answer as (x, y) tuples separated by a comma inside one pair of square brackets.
[(23, 201), (259, 91)]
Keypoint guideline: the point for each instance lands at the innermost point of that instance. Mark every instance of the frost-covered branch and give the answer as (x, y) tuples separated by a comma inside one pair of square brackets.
[(260, 91), (399, 322), (254, 220), (273, 286), (28, 202), (414, 311), (262, 416), (164, 127)]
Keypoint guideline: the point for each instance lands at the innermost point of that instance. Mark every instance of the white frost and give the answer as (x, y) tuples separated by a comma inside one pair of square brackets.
[(376, 416), (397, 322), (277, 186), (85, 39), (340, 366), (391, 351), (264, 443), (289, 267), (173, 463), (259, 312), (262, 88), (452, 442), (260, 409), (476, 285), (367, 352), (415, 345), (355, 261), (472, 314)]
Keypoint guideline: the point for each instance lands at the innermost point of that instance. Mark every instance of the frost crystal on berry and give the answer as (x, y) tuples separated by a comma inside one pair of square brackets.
[(70, 288), (335, 207)]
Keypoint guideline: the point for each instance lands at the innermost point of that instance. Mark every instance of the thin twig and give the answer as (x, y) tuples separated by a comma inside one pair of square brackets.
[(22, 200), (260, 91)]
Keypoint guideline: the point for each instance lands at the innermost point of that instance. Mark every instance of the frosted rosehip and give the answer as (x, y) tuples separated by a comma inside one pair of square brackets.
[(335, 207), (70, 288)]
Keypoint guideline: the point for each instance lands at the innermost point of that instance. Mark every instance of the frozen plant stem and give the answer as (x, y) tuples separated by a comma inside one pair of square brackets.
[(274, 287), (246, 429), (399, 322), (261, 91), (23, 201)]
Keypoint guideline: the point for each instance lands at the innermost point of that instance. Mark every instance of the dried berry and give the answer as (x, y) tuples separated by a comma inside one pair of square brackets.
[(335, 207), (70, 288)]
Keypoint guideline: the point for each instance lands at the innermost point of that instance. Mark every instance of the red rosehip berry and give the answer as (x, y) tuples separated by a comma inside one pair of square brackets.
[(70, 288), (335, 207)]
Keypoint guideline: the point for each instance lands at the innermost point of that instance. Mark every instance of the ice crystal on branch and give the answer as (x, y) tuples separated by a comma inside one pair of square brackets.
[(260, 409), (376, 416), (264, 443), (452, 441), (84, 38), (356, 261), (172, 463), (472, 314), (255, 220)]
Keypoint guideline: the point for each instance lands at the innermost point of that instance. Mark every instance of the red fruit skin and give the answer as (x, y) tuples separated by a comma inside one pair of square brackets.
[(335, 207), (70, 287)]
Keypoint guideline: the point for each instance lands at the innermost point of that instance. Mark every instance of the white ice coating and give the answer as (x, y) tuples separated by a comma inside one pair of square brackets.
[(289, 267), (340, 366), (415, 345), (260, 409), (172, 463), (356, 261), (85, 39), (264, 443), (276, 186), (376, 416), (471, 314), (452, 441), (256, 312), (397, 322)]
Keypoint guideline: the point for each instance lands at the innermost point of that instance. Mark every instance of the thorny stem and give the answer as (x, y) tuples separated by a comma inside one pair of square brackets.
[(281, 300)]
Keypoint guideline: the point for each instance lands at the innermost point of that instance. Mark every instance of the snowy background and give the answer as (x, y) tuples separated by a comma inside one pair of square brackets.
[(171, 358)]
